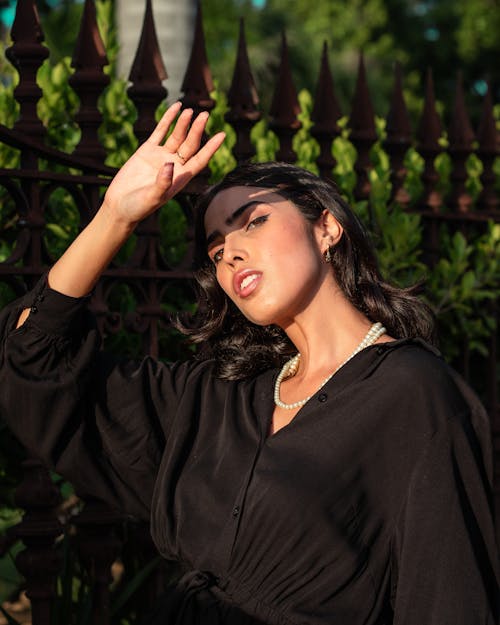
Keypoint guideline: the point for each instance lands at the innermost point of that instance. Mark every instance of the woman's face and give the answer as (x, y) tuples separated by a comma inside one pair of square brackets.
[(268, 258)]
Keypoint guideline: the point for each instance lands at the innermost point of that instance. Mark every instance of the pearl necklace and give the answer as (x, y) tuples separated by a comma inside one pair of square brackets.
[(291, 367)]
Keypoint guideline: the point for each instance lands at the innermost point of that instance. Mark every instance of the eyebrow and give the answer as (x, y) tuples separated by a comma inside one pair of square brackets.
[(232, 218)]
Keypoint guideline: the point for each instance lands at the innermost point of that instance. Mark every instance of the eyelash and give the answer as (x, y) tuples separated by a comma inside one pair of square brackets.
[(255, 222)]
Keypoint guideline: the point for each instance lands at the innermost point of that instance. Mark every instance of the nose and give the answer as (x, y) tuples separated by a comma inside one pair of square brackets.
[(234, 251)]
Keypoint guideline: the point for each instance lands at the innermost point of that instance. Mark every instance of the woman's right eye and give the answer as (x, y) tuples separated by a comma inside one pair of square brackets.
[(218, 255)]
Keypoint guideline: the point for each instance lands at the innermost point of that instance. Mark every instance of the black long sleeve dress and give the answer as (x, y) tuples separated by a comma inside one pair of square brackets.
[(372, 507)]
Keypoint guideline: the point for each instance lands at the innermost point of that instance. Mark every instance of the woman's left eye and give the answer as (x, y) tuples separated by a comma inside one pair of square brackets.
[(257, 221)]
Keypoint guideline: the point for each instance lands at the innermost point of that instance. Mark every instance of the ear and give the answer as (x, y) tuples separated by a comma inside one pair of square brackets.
[(328, 231)]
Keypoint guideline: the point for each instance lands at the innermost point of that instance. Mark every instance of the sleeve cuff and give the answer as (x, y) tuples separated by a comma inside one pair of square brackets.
[(52, 312)]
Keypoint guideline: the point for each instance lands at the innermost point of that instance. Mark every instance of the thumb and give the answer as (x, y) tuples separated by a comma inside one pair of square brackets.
[(164, 178)]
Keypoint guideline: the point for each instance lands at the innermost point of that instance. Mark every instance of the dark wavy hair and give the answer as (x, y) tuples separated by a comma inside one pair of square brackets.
[(242, 349)]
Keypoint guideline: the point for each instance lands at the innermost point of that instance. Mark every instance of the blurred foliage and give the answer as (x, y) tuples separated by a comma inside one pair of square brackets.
[(75, 590), (440, 34), (60, 24)]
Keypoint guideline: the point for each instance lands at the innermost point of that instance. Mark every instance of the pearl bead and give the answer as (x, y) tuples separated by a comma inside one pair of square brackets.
[(291, 367)]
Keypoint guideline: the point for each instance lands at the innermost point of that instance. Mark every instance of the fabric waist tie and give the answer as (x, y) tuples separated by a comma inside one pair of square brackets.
[(232, 593), (194, 581)]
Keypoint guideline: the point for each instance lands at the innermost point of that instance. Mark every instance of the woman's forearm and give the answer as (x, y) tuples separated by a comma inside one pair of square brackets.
[(81, 266), (158, 170)]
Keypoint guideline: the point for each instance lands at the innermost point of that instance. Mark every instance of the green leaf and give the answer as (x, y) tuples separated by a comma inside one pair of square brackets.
[(468, 282), (58, 231), (135, 584), (459, 245)]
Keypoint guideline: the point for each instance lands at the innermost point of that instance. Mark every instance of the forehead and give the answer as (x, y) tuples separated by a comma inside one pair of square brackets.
[(227, 201)]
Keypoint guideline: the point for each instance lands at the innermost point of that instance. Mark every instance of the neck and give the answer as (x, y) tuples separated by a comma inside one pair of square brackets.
[(325, 340), (291, 367)]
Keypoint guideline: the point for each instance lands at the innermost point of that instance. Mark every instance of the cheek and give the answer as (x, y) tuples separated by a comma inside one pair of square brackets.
[(223, 280), (299, 251)]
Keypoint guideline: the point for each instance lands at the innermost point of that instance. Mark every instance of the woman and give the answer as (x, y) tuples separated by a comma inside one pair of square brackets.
[(345, 485)]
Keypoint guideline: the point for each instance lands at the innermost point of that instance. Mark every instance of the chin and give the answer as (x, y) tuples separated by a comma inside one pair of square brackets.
[(258, 321), (263, 319)]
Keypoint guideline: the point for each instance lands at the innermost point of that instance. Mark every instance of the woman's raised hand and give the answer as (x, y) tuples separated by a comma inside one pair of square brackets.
[(159, 169)]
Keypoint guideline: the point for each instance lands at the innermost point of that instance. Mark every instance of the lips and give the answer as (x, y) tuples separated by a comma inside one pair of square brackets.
[(245, 282)]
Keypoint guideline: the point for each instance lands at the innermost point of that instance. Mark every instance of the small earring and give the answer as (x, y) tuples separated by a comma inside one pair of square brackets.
[(328, 255)]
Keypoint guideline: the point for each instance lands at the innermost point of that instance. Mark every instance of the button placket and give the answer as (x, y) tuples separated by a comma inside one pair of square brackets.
[(237, 509), (38, 299)]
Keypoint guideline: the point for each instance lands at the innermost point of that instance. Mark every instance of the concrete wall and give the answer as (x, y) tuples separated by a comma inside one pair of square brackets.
[(174, 21)]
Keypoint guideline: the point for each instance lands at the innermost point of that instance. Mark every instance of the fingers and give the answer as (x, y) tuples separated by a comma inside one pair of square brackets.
[(191, 144), (200, 159), (180, 131), (160, 132), (184, 145), (169, 184), (186, 136)]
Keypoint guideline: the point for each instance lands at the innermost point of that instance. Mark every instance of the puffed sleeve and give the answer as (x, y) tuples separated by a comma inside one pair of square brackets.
[(101, 424), (445, 568)]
